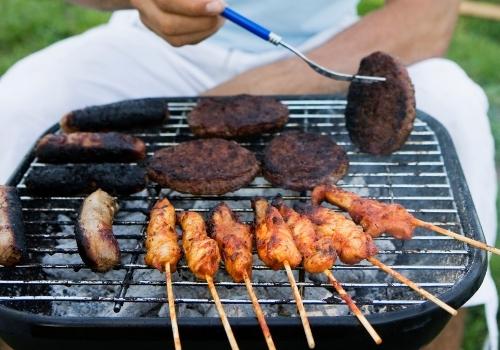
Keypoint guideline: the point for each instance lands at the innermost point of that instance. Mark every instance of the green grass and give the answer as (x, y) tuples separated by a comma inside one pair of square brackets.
[(29, 25)]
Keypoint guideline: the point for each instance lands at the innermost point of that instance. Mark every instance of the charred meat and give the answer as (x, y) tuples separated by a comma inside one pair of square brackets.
[(210, 166), (375, 217), (97, 245), (351, 242), (202, 252), (12, 240), (275, 244), (237, 116), (85, 178), (124, 115), (83, 147), (300, 161), (234, 239), (379, 117), (318, 251), (161, 242)]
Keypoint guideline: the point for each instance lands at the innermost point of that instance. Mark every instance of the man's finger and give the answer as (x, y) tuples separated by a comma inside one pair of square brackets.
[(179, 25), (191, 39), (192, 7)]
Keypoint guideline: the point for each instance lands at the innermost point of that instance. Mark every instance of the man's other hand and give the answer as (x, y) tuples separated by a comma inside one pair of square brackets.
[(181, 22)]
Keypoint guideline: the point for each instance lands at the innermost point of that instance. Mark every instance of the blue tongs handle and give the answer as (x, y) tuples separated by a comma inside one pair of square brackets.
[(249, 25)]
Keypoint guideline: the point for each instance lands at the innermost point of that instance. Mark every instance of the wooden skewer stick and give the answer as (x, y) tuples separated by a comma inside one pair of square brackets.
[(222, 313), (260, 315), (355, 310), (171, 307), (300, 306), (412, 285), (458, 237)]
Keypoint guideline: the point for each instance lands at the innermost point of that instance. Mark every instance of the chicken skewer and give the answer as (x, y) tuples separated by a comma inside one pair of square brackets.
[(377, 217), (277, 249), (203, 258), (235, 242), (319, 255), (163, 252), (354, 245)]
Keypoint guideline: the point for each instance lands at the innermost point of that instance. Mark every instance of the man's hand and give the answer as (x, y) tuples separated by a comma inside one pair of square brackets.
[(181, 22)]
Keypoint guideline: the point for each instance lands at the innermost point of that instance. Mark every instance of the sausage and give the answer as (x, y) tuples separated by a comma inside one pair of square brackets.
[(82, 147), (85, 178), (128, 114), (12, 240), (96, 243)]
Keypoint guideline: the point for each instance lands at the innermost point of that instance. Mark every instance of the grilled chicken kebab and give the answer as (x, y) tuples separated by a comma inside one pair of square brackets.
[(96, 243), (12, 240), (351, 243), (202, 253), (275, 244), (375, 217), (161, 242), (318, 250), (234, 239)]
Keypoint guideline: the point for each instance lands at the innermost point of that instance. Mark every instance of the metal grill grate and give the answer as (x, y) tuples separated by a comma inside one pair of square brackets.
[(54, 280)]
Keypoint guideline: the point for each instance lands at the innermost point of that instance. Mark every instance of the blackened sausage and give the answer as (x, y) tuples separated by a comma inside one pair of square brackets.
[(76, 179), (83, 147), (128, 114)]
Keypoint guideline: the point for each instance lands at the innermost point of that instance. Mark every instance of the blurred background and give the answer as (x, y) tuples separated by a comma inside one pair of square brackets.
[(29, 25)]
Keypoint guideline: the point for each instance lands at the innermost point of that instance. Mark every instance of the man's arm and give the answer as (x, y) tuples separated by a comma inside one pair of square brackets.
[(412, 30), (105, 5)]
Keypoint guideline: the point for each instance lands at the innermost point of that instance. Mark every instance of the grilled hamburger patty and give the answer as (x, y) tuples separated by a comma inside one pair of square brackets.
[(379, 116), (211, 166), (237, 116), (300, 161)]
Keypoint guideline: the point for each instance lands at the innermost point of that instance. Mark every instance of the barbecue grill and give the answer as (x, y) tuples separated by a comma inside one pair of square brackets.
[(52, 299)]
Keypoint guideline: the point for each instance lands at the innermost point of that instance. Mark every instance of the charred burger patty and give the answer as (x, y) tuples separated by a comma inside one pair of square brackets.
[(209, 166), (301, 160)]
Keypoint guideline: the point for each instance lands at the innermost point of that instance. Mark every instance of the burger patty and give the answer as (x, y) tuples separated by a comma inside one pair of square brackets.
[(379, 116), (210, 166), (237, 116), (301, 160)]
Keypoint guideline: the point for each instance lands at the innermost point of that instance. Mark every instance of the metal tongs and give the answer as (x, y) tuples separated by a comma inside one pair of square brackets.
[(275, 39)]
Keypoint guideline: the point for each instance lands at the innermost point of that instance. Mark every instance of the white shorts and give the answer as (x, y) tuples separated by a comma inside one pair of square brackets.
[(122, 60)]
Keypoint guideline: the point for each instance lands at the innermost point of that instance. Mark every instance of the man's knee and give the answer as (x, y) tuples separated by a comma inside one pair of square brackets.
[(445, 80)]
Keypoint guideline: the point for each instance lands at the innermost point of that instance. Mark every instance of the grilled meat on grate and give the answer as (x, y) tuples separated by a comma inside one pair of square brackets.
[(379, 117), (97, 245), (375, 217), (302, 160), (123, 115), (234, 239), (85, 178), (12, 239), (202, 253), (83, 147), (351, 243), (318, 251), (210, 166), (237, 116), (275, 244), (161, 242)]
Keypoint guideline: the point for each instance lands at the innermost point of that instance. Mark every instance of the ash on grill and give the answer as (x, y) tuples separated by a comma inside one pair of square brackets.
[(415, 176)]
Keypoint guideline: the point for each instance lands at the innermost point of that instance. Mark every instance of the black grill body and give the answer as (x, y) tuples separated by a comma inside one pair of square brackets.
[(425, 176)]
